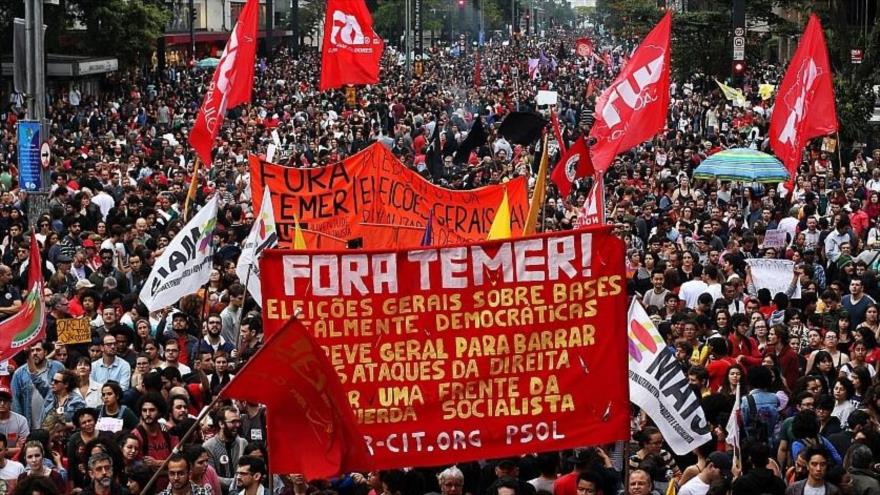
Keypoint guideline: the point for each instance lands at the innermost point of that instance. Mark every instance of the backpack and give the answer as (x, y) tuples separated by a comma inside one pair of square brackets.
[(145, 438), (758, 426)]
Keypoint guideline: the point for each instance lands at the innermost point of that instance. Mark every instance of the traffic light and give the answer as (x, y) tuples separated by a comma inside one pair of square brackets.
[(461, 3), (739, 67), (192, 15)]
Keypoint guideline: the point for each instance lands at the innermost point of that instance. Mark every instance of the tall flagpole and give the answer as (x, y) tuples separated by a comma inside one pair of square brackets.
[(241, 311), (191, 193)]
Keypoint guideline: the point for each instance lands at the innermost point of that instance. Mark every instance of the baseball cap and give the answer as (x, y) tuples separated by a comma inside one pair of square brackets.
[(4, 391), (508, 463), (722, 461), (88, 243)]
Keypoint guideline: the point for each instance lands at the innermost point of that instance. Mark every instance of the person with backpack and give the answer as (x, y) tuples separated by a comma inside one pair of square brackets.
[(805, 429), (760, 408), (156, 443)]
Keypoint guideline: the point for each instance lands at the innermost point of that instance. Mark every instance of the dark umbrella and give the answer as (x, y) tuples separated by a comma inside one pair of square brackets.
[(522, 127)]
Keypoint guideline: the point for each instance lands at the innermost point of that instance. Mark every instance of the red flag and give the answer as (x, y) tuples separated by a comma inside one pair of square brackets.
[(593, 211), (28, 325), (557, 132), (804, 106), (232, 82), (584, 47), (633, 109), (574, 164), (304, 401), (351, 49)]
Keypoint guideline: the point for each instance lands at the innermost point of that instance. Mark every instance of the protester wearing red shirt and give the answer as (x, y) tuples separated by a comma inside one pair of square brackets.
[(742, 346)]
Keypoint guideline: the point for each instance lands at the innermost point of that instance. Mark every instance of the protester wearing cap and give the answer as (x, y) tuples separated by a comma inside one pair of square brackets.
[(81, 289), (63, 281), (13, 425), (718, 466)]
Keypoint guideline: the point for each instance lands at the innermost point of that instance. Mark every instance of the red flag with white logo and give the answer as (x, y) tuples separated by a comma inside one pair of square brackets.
[(593, 211), (804, 107), (584, 47), (351, 50), (633, 109), (574, 164), (232, 82)]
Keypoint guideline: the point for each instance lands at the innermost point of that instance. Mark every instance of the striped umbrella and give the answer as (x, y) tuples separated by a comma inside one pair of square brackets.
[(742, 164)]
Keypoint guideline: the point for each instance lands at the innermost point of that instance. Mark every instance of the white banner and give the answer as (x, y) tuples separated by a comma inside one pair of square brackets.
[(774, 275), (185, 265), (263, 236), (660, 388)]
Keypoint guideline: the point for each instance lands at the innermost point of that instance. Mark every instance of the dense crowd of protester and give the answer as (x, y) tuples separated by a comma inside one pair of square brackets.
[(102, 416)]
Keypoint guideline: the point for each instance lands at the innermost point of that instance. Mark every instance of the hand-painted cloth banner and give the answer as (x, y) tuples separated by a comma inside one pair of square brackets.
[(374, 197), (468, 352)]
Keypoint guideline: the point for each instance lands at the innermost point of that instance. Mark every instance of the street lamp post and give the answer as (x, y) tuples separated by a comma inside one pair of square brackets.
[(294, 27), (408, 39), (35, 66), (192, 30)]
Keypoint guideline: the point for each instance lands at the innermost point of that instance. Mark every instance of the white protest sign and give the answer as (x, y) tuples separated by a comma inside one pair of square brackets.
[(270, 152), (109, 424), (546, 97), (775, 239), (774, 275)]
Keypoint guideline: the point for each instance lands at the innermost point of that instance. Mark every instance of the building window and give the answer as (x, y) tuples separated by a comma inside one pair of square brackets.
[(235, 11), (180, 17)]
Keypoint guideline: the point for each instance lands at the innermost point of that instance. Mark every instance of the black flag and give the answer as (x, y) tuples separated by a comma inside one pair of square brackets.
[(475, 138), (434, 157)]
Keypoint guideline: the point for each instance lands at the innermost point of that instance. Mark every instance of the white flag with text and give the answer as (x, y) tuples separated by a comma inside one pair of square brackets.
[(186, 262), (262, 236)]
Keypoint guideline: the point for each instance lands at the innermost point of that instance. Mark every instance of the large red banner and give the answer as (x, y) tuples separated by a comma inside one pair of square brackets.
[(474, 351), (372, 196)]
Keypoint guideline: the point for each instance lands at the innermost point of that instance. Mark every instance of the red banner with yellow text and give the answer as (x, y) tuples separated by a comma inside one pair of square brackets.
[(474, 351), (374, 197)]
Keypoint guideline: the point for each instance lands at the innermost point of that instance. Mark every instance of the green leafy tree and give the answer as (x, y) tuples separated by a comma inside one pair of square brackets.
[(126, 29)]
